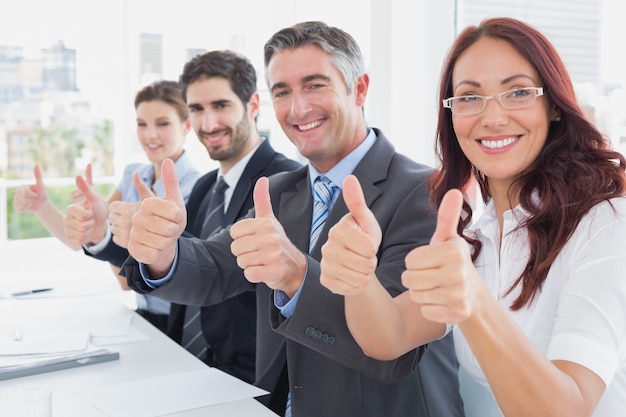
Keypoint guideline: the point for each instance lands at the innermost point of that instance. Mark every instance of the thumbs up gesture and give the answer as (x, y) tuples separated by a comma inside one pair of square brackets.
[(262, 248), (441, 276), (121, 215), (31, 198), (349, 255), (86, 217), (158, 223)]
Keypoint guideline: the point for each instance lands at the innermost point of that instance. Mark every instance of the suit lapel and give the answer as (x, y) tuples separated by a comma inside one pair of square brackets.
[(244, 187), (373, 168), (295, 208), (198, 202), (261, 158), (295, 211)]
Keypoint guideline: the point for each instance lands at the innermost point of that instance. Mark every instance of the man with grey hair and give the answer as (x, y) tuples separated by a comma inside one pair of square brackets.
[(306, 356)]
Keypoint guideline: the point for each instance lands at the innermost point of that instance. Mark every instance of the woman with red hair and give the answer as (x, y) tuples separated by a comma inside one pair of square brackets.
[(534, 290)]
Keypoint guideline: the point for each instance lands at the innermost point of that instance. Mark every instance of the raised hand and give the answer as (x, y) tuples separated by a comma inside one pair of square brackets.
[(121, 215), (158, 223), (441, 276), (77, 194), (349, 255), (86, 217), (31, 198), (262, 248), (121, 220)]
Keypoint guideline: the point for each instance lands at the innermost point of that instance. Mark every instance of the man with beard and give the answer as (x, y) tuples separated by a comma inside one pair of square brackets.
[(219, 88)]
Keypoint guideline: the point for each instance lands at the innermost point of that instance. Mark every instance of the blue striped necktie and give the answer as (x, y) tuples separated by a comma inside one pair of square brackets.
[(323, 192)]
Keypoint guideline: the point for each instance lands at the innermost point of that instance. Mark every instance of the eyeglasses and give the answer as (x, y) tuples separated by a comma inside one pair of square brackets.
[(512, 99)]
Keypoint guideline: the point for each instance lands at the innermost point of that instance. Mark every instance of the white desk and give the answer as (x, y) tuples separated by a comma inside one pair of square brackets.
[(156, 356)]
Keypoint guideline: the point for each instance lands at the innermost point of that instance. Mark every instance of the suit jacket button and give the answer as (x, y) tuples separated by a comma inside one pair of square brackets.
[(309, 331), (317, 335), (331, 340)]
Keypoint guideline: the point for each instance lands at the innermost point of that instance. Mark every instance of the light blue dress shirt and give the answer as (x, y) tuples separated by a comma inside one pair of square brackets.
[(337, 174), (187, 176)]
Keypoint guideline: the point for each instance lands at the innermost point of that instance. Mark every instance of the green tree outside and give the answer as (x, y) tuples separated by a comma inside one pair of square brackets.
[(103, 148), (56, 149)]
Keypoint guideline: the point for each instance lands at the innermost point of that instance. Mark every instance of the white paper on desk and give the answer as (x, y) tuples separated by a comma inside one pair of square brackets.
[(62, 286), (133, 336), (170, 393), (96, 306), (31, 335), (31, 338), (68, 319)]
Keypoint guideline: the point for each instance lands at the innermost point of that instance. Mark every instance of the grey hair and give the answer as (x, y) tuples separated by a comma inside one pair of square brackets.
[(345, 52)]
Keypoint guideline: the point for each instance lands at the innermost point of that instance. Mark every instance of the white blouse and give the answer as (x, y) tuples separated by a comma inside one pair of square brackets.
[(580, 313)]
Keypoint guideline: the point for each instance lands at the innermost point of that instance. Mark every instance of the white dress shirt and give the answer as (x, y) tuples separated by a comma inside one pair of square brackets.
[(579, 315)]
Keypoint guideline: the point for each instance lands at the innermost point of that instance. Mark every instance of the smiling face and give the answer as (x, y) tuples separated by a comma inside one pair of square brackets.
[(160, 130), (501, 143), (313, 105), (221, 121)]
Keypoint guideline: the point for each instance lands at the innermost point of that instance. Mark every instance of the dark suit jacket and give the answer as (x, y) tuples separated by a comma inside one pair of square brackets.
[(230, 326), (328, 373)]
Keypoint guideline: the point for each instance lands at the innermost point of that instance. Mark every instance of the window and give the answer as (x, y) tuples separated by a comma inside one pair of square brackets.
[(69, 72)]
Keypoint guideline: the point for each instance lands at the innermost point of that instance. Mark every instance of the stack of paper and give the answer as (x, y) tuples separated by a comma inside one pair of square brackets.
[(16, 366), (49, 337), (50, 334)]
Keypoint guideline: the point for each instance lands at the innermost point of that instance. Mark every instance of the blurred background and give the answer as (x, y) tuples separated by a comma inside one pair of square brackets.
[(69, 70)]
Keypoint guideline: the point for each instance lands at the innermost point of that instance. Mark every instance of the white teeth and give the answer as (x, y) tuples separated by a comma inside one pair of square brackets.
[(497, 144), (215, 137), (310, 125), (152, 146)]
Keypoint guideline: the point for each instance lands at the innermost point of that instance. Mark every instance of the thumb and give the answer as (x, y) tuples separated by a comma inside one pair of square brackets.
[(38, 177), (170, 182), (448, 216), (85, 187), (141, 187), (355, 201), (262, 201), (88, 174)]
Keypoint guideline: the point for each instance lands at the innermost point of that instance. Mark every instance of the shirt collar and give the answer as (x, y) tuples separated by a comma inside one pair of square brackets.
[(232, 176), (347, 165), (512, 217), (182, 164)]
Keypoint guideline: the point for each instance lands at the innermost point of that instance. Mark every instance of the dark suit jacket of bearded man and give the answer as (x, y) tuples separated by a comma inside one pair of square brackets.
[(229, 327)]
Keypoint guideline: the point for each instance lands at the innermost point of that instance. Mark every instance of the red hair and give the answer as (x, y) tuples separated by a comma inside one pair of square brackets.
[(574, 148)]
